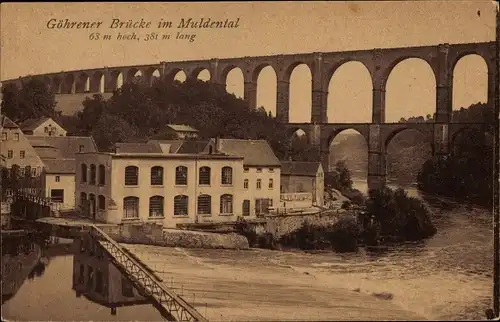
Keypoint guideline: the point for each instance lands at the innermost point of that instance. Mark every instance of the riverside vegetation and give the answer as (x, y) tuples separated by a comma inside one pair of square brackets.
[(137, 112)]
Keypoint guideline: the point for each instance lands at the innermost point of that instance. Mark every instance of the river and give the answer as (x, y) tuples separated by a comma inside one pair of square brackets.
[(448, 276)]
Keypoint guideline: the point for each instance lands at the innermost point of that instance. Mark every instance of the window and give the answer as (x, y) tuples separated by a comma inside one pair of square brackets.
[(210, 150), (245, 169), (10, 154), (156, 206), (246, 207), (81, 148), (99, 282), (22, 154), (181, 173), (130, 207), (204, 176), (83, 198), (53, 129), (102, 175), (46, 129), (21, 172), (245, 184), (58, 179), (271, 183), (92, 204), (227, 175), (157, 176), (181, 205), (84, 172), (131, 176), (127, 287), (259, 183), (259, 170), (271, 169), (204, 205), (90, 277), (57, 195), (33, 172), (92, 174), (226, 204), (101, 202), (16, 136), (4, 136)]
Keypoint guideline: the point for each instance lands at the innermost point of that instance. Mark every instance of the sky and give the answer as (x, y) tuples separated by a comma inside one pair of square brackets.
[(266, 28)]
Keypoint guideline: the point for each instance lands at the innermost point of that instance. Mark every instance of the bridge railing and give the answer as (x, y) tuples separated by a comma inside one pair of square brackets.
[(177, 307)]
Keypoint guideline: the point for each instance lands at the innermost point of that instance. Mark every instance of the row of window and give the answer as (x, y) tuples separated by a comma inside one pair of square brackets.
[(157, 205), (181, 176), (93, 174), (258, 184), (23, 170), (4, 136), (10, 154), (259, 170)]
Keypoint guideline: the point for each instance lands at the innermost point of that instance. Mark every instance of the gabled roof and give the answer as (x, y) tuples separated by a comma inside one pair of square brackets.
[(137, 148), (254, 152), (68, 146), (181, 128), (8, 123), (299, 168), (32, 124), (59, 166)]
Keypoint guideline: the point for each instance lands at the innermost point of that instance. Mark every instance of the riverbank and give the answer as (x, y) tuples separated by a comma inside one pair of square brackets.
[(231, 285)]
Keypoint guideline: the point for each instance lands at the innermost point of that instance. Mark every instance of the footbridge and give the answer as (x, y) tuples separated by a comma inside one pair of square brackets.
[(172, 306)]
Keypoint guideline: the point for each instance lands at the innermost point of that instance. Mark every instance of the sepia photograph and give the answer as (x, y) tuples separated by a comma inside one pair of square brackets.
[(250, 161)]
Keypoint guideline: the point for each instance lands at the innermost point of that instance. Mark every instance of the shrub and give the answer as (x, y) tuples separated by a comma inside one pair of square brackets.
[(400, 216), (341, 236)]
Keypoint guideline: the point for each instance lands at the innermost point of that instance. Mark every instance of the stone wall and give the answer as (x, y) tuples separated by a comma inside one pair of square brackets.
[(153, 234), (281, 225)]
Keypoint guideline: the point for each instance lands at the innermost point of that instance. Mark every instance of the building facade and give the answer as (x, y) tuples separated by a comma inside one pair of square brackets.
[(17, 149), (169, 189), (59, 166), (261, 172), (43, 126), (299, 179)]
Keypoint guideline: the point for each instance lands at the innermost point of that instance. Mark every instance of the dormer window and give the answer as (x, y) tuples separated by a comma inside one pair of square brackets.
[(46, 129)]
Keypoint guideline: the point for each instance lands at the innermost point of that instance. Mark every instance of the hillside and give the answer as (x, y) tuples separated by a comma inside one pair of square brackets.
[(406, 154)]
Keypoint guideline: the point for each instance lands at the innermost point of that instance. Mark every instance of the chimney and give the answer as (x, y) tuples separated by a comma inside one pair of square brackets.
[(217, 144)]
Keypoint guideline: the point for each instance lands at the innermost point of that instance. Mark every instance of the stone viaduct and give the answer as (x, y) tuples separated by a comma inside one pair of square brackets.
[(379, 63)]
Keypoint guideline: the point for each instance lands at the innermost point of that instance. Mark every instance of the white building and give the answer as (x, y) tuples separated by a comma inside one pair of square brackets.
[(43, 126), (261, 172)]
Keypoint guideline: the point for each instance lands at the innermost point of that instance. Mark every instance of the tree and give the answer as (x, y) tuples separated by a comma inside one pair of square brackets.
[(111, 129), (33, 100)]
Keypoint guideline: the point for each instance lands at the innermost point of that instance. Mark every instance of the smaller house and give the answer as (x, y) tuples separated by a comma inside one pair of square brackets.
[(43, 126), (180, 132), (300, 179)]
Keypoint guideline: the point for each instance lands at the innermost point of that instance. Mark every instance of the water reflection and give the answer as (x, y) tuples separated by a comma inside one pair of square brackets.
[(96, 278), (62, 280)]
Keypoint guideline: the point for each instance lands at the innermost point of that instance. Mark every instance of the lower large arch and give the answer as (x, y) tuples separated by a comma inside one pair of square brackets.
[(351, 147), (407, 149)]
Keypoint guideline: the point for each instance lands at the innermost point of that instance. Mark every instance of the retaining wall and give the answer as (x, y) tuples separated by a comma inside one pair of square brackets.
[(281, 225), (153, 234)]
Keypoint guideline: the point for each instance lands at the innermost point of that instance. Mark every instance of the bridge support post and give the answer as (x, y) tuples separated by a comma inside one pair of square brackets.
[(444, 84), (377, 172), (319, 94), (250, 93), (283, 101), (379, 81), (441, 144), (110, 82)]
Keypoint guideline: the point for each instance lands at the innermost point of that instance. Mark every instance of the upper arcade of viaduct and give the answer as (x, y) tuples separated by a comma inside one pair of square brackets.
[(378, 62)]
